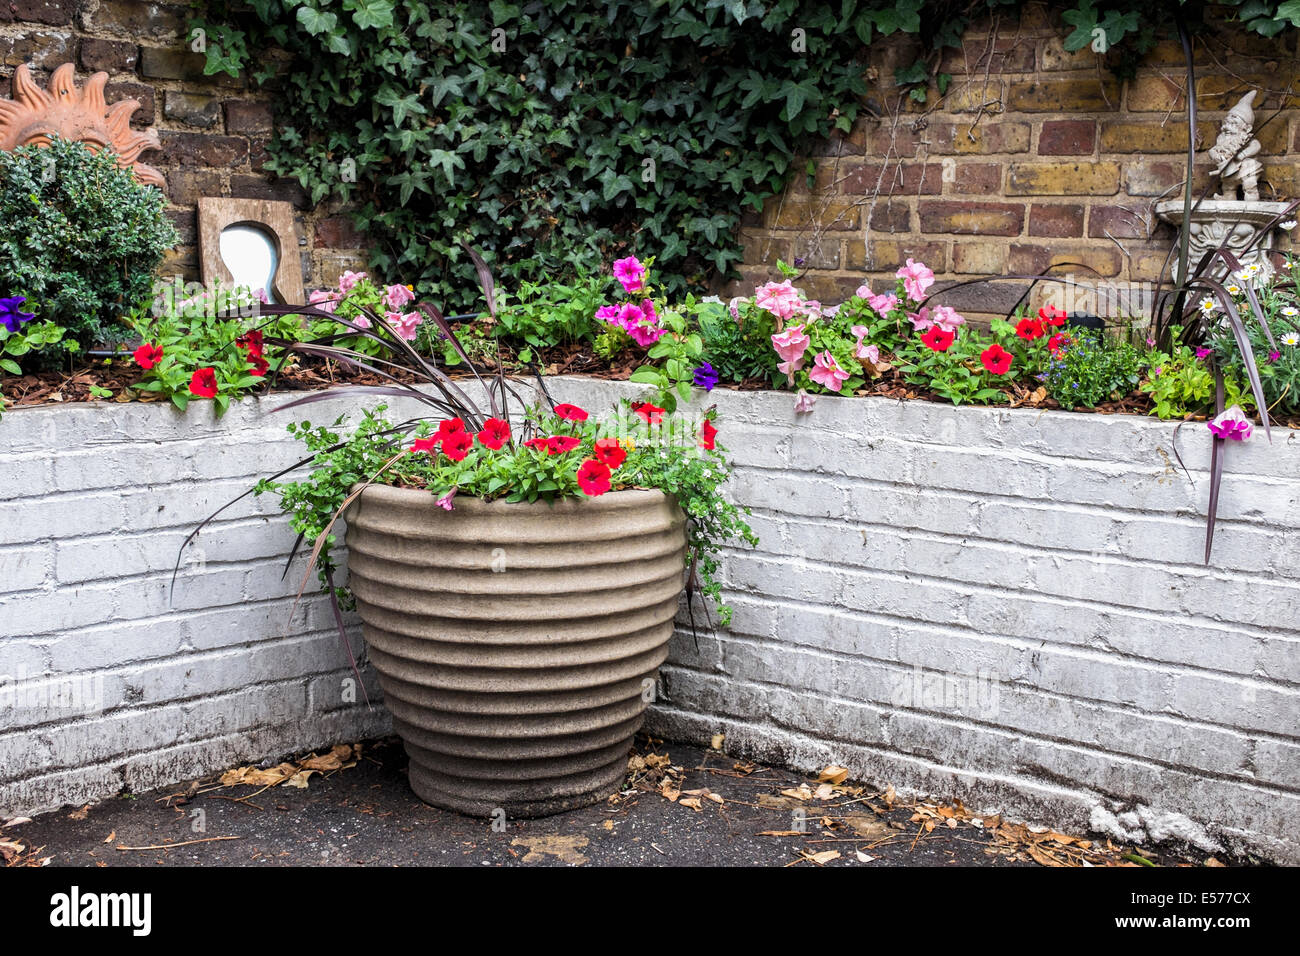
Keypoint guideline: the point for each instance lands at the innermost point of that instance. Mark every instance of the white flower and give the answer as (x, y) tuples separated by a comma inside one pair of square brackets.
[(1291, 310), (712, 299), (1208, 305), (1288, 225), (1234, 290), (1291, 338)]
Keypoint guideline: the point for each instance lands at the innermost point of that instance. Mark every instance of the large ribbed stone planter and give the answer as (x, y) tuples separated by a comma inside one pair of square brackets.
[(515, 642)]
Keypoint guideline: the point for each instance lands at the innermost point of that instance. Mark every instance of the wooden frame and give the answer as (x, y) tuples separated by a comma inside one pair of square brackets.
[(216, 214)]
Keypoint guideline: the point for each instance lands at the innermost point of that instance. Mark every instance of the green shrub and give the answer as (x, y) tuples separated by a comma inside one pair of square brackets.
[(1088, 368), (79, 237)]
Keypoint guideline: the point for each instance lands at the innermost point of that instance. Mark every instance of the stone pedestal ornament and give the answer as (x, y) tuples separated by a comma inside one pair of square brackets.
[(1231, 218), (35, 116)]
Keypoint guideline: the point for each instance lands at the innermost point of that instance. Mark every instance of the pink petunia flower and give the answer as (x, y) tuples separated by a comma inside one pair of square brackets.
[(916, 279), (349, 279), (446, 500), (398, 295), (867, 353), (1231, 423), (884, 304), (826, 371), (780, 298), (921, 320), (608, 313), (946, 317), (325, 300), (864, 292), (803, 403), (790, 345), (404, 325), (631, 273)]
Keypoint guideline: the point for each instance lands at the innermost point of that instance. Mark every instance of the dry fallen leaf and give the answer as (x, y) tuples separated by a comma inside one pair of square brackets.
[(111, 837), (563, 848), (716, 742), (80, 814), (822, 858), (608, 824), (834, 775), (864, 858), (692, 802), (867, 825)]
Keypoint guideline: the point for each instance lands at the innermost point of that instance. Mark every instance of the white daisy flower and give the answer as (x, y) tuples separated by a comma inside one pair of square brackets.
[(1291, 310), (1208, 305), (1288, 225), (1234, 290), (1291, 338)]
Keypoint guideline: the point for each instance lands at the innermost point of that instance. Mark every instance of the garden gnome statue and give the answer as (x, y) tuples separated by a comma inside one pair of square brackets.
[(1234, 153)]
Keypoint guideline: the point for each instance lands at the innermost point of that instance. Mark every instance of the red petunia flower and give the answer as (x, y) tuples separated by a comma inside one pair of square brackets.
[(539, 444), (650, 414), (708, 431), (571, 413), (996, 359), (450, 426), (252, 341), (559, 444), (495, 433), (457, 445), (147, 355), (1030, 329), (938, 339), (426, 444), (257, 365), (593, 478), (203, 383), (1057, 342), (1052, 316), (610, 453)]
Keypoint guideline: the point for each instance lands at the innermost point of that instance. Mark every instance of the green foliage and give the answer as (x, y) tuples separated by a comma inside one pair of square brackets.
[(673, 358), (555, 135), (739, 347), (204, 331), (79, 237), (1181, 383), (1089, 368), (42, 341), (549, 313)]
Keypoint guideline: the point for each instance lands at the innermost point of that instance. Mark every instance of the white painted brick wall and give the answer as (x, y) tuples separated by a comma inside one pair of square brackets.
[(1047, 566), (1005, 606), (156, 687)]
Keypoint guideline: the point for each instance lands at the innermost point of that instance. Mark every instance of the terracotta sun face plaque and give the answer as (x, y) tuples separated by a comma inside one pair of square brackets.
[(35, 116)]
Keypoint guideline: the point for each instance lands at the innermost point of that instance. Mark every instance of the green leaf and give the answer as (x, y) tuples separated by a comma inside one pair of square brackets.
[(371, 14), (316, 21)]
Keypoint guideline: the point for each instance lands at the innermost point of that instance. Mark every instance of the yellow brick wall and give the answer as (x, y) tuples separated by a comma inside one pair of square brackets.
[(1035, 157)]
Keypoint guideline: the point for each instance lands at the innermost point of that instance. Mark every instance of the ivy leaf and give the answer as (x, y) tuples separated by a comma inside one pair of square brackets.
[(1289, 11), (370, 14), (316, 21)]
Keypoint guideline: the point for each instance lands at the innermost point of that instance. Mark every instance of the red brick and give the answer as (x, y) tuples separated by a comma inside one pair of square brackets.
[(972, 218), (245, 116), (1067, 138), (1117, 221), (893, 179), (337, 232), (977, 178), (1056, 221), (111, 56), (202, 149), (1095, 260)]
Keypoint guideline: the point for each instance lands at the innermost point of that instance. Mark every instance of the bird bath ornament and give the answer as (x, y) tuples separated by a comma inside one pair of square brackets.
[(35, 116), (1230, 219)]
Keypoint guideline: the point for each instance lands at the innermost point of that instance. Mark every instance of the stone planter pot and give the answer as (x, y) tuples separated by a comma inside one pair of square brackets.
[(515, 642)]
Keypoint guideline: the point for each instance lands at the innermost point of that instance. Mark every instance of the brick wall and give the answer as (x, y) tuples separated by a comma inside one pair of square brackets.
[(214, 130), (108, 681), (1034, 157), (1008, 607)]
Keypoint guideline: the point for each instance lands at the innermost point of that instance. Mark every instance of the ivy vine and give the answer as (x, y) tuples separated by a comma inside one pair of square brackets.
[(556, 135)]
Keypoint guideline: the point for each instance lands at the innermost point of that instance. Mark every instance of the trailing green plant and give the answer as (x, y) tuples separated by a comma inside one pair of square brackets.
[(1181, 382), (545, 314), (1088, 367), (80, 238), (737, 340)]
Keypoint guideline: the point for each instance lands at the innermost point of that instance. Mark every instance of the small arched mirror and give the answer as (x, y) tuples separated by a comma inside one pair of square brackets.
[(252, 255), (253, 243)]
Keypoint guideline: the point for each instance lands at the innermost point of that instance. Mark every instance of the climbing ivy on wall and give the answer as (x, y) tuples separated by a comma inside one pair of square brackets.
[(556, 135)]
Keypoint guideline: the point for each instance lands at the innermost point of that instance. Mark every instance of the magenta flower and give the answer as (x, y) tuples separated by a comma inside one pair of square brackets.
[(1203, 354), (916, 279), (445, 501), (608, 313), (631, 273), (1273, 356), (780, 298), (1231, 423), (629, 316), (826, 372)]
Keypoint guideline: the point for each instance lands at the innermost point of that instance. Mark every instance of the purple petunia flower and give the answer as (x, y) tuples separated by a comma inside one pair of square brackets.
[(10, 316), (705, 377)]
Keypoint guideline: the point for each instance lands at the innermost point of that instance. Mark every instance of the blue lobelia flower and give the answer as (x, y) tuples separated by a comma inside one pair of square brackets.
[(10, 317)]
